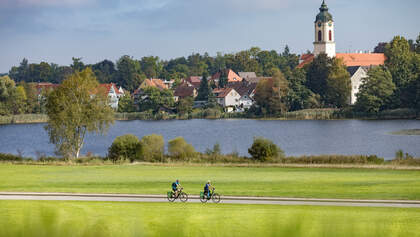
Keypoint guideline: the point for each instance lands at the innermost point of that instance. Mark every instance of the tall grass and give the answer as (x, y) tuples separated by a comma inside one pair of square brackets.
[(106, 219), (24, 118)]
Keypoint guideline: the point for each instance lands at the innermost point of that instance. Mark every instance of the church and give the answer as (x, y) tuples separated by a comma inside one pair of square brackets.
[(357, 64)]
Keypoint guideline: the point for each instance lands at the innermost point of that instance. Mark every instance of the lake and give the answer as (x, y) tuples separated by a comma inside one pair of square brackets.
[(296, 138)]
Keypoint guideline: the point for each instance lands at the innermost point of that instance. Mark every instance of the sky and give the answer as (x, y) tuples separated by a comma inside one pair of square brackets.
[(57, 30)]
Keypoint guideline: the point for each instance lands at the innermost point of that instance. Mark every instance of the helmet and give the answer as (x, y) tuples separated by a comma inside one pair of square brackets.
[(208, 181), (177, 181)]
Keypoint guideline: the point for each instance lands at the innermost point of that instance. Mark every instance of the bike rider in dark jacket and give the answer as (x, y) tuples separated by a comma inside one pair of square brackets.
[(207, 189), (175, 187)]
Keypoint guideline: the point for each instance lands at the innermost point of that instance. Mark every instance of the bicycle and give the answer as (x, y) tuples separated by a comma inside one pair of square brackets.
[(215, 197), (181, 195)]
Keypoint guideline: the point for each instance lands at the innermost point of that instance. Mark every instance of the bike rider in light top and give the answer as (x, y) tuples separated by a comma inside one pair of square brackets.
[(207, 189), (175, 186)]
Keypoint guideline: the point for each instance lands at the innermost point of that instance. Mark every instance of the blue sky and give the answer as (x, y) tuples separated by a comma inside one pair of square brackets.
[(57, 30)]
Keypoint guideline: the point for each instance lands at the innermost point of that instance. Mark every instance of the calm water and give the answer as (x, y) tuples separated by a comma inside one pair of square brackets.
[(294, 137)]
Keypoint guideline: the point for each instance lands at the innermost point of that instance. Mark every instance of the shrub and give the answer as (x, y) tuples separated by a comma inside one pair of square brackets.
[(264, 150), (334, 159), (179, 149), (125, 147), (10, 157), (153, 147)]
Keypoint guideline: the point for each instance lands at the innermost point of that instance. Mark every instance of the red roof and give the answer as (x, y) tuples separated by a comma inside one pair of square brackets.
[(184, 91), (107, 87), (351, 59), (45, 86), (222, 92), (231, 75)]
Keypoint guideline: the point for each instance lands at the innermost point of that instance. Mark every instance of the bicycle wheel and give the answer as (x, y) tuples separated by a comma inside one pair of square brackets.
[(215, 197), (171, 197), (203, 198), (183, 197)]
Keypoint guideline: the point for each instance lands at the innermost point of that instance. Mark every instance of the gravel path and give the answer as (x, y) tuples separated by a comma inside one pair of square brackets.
[(195, 199)]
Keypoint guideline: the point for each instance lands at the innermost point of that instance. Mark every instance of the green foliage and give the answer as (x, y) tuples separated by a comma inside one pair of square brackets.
[(317, 74), (75, 109), (153, 148), (12, 97), (404, 66), (338, 85), (151, 66), (204, 90), (105, 71), (153, 99), (126, 104), (375, 91), (126, 147), (334, 159), (185, 106), (129, 73), (271, 95), (179, 149), (264, 150)]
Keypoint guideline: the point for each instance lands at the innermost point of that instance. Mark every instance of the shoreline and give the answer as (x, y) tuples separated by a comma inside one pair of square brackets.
[(43, 118)]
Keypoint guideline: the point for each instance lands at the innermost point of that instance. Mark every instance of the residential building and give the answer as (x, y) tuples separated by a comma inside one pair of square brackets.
[(156, 83), (324, 43), (246, 91), (228, 98), (229, 73), (113, 93), (193, 81), (184, 91), (246, 75)]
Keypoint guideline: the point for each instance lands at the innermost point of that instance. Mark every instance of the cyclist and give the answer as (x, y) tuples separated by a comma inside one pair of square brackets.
[(207, 189), (175, 187)]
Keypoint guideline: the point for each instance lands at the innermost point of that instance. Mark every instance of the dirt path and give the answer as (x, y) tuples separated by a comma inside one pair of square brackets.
[(195, 199)]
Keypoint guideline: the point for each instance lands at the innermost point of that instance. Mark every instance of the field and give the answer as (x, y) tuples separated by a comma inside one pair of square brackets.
[(32, 218), (241, 181)]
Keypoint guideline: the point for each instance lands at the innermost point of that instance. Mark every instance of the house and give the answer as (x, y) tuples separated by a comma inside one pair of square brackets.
[(193, 81), (357, 63), (229, 73), (44, 87), (113, 93), (184, 91), (246, 75), (246, 91), (156, 83), (169, 83), (256, 79), (228, 98)]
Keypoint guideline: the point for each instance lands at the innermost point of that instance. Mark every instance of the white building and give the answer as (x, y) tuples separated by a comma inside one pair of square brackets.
[(228, 98)]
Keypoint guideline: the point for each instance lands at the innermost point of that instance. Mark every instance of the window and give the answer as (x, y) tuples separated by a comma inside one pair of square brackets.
[(319, 36), (330, 35)]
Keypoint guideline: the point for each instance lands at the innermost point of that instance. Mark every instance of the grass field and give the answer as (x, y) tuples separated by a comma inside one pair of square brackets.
[(39, 219), (242, 181)]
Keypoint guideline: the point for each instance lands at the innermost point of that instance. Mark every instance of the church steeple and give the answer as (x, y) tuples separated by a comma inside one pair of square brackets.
[(324, 32)]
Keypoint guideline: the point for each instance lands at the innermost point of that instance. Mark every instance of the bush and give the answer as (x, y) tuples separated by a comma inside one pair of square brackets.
[(125, 147), (264, 150), (10, 157), (179, 149), (153, 147), (334, 159)]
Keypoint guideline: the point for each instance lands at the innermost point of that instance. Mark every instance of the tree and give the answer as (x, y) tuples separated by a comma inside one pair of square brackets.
[(223, 80), (153, 99), (380, 48), (270, 94), (185, 105), (104, 71), (126, 104), (12, 98), (153, 147), (151, 66), (179, 149), (375, 90), (317, 74), (128, 73), (338, 88), (404, 67), (77, 65), (75, 108), (126, 147), (263, 150), (204, 90), (299, 96)]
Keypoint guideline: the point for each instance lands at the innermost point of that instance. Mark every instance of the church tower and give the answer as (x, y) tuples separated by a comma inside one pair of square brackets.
[(324, 32)]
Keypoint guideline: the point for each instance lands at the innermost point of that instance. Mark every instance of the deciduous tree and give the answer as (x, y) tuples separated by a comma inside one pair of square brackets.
[(74, 109)]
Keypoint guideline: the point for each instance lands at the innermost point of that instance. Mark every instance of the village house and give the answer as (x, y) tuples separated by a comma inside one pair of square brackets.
[(113, 93), (229, 73), (156, 83), (193, 81), (44, 87), (184, 91), (246, 91), (246, 75), (357, 63), (228, 98)]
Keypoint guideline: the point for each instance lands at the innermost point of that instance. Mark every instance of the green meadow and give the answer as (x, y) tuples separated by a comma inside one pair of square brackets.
[(52, 218), (241, 181)]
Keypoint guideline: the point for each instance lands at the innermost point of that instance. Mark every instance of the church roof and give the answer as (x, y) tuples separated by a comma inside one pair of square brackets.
[(324, 15), (351, 59)]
